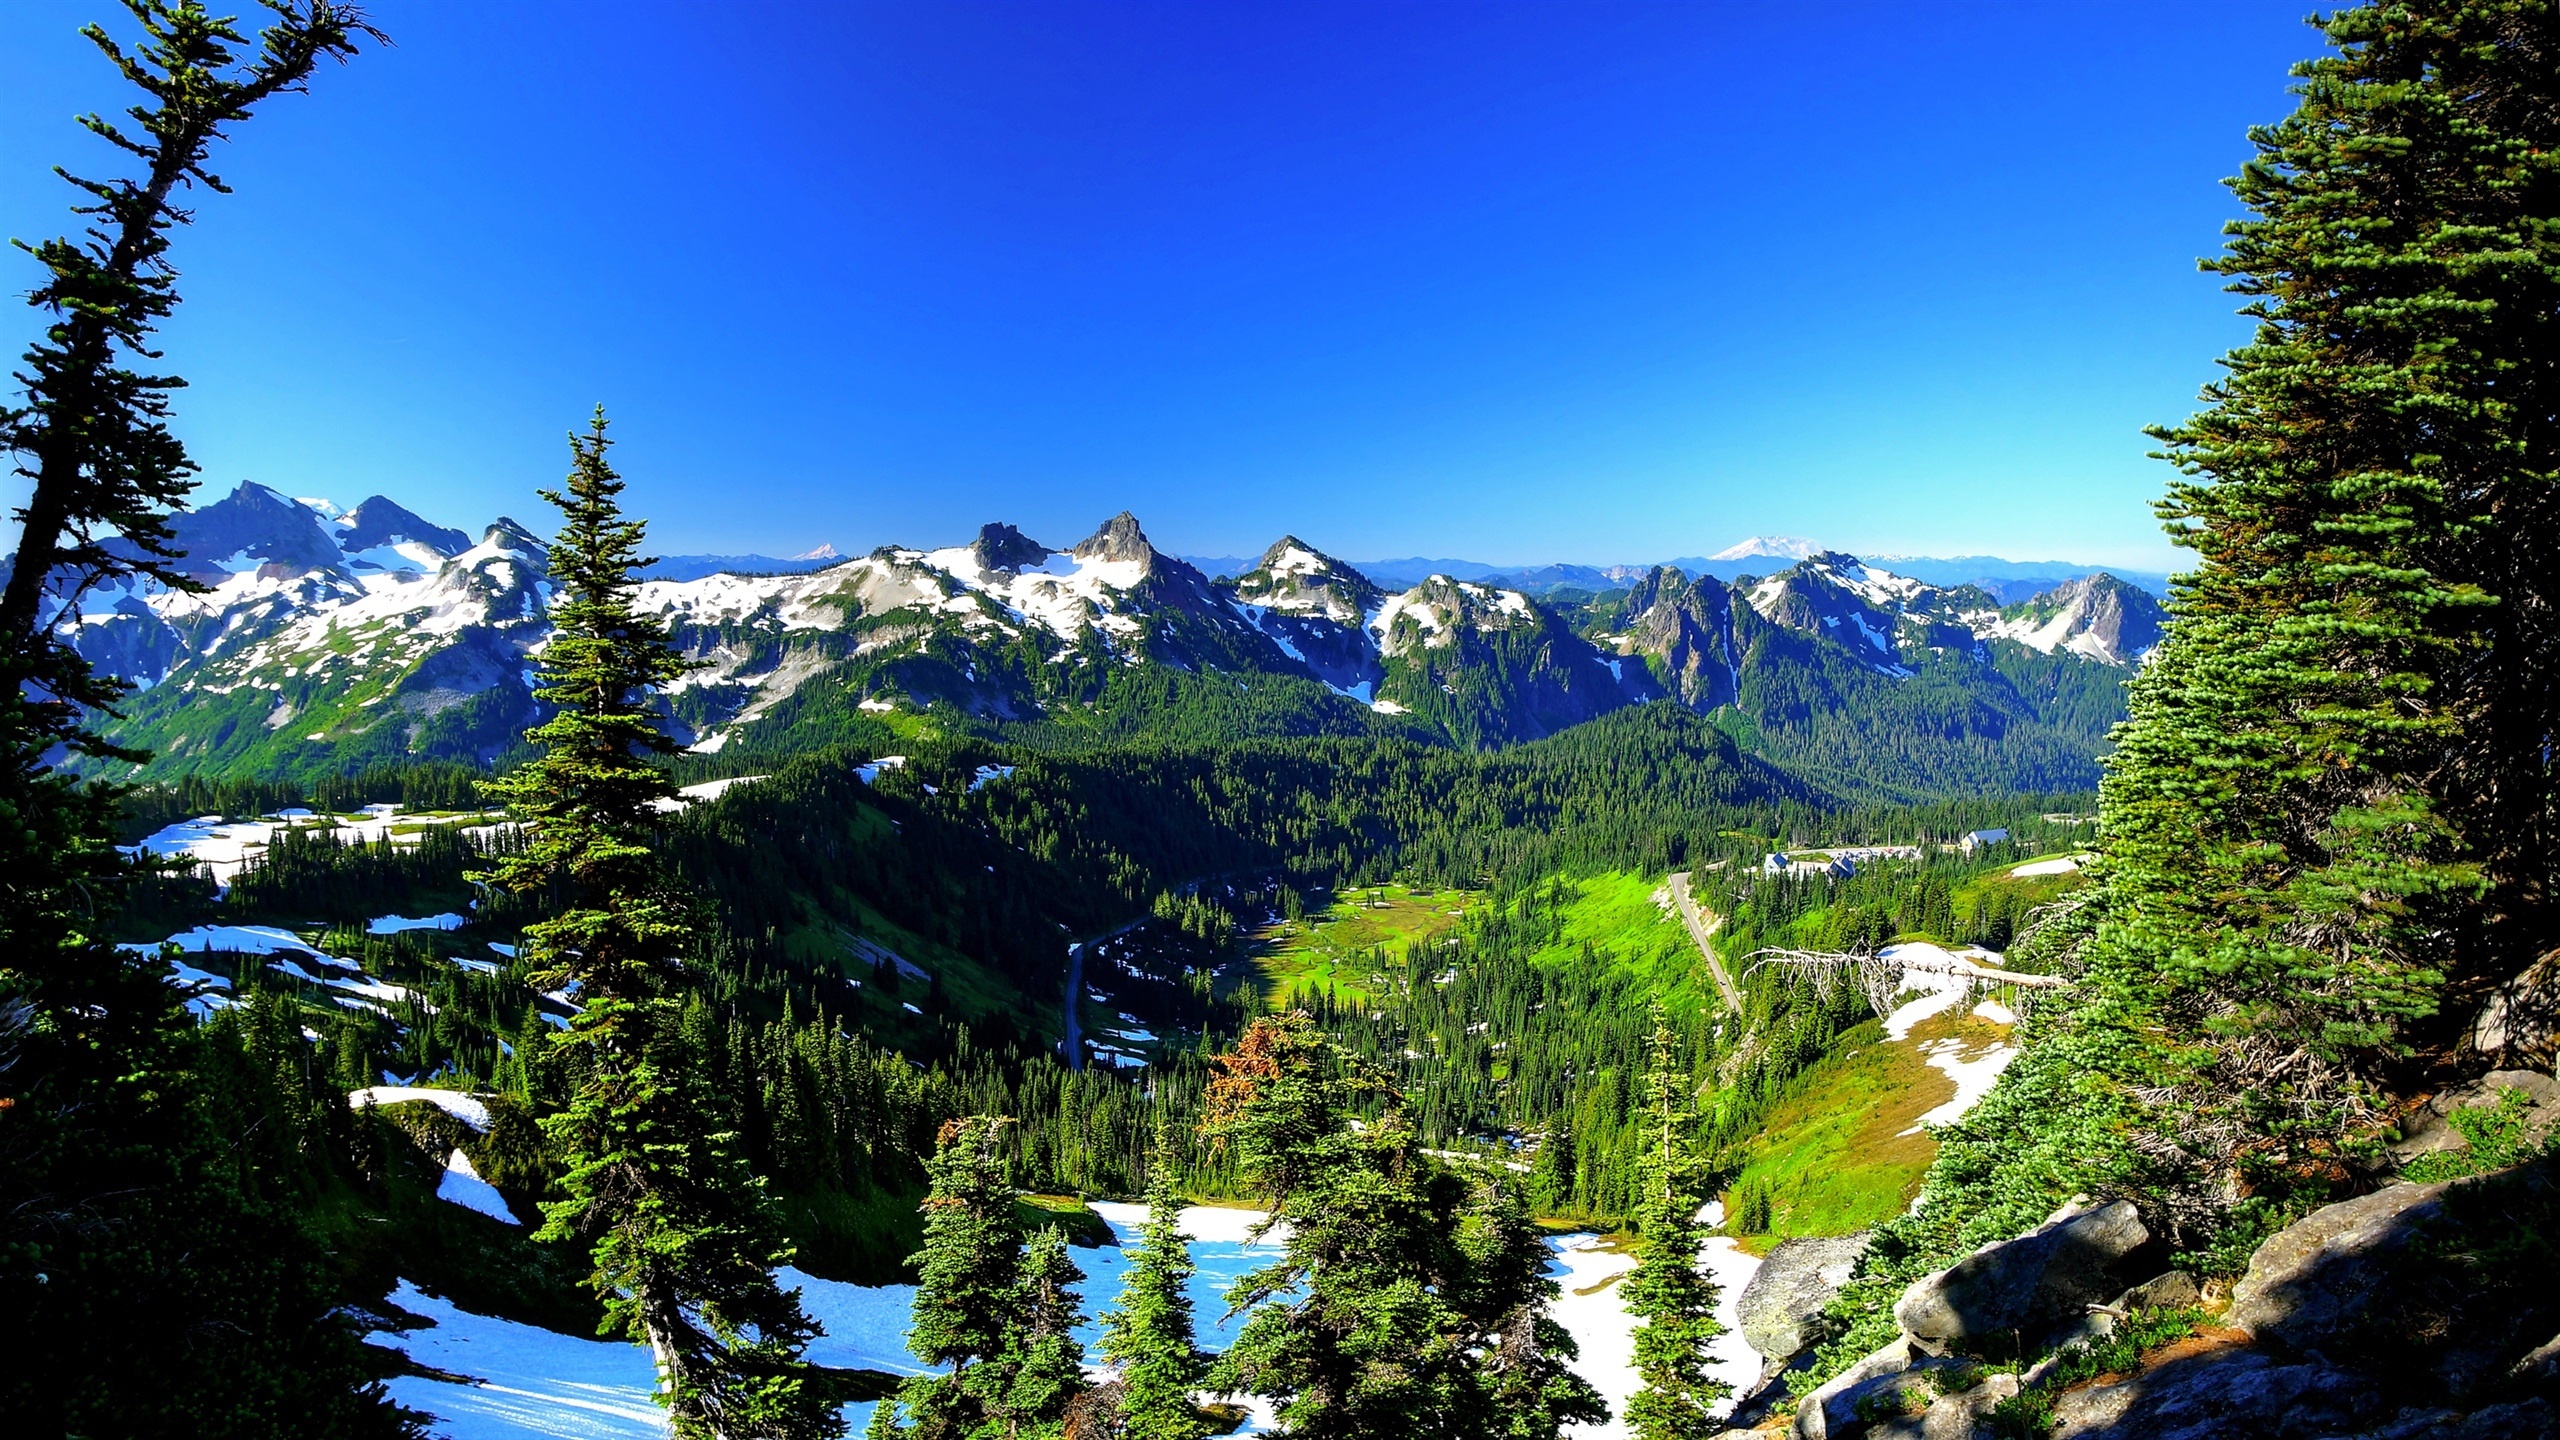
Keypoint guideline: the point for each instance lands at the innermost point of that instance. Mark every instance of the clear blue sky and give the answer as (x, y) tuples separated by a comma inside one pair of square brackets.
[(1512, 282)]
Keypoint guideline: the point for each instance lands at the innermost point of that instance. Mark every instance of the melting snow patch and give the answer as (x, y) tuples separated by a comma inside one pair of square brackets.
[(239, 939), (471, 1110), (531, 1381), (394, 924), (463, 1186), (2061, 866), (1588, 1308), (1972, 1077), (704, 793)]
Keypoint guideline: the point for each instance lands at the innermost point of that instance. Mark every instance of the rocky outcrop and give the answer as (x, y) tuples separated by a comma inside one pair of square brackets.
[(1961, 1416), (2521, 1022), (1793, 1283), (2229, 1391), (1118, 539), (2417, 1312), (2431, 1129), (2024, 1292)]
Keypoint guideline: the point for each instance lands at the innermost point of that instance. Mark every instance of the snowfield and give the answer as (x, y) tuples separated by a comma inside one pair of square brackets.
[(1972, 1068), (528, 1382)]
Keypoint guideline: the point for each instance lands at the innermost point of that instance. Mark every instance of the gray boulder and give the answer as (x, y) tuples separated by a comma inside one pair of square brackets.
[(2161, 1292), (1961, 1416), (2227, 1393), (2442, 1290), (1793, 1283), (2023, 1292), (2321, 1277), (2431, 1129), (1833, 1409)]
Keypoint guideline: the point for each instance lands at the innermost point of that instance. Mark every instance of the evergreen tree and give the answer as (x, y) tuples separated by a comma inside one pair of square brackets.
[(1369, 1344), (153, 1244), (1672, 1299), (2331, 813), (1526, 1388), (1149, 1335), (1551, 1175), (968, 1285), (684, 1247), (1043, 1365)]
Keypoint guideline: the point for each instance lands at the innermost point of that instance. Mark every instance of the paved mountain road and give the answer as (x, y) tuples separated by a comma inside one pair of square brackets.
[(1702, 928)]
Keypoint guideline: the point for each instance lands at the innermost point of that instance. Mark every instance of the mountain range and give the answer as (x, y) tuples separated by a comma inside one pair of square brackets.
[(2003, 580), (328, 639)]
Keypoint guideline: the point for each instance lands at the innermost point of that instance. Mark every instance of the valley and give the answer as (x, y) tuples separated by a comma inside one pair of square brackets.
[(483, 982)]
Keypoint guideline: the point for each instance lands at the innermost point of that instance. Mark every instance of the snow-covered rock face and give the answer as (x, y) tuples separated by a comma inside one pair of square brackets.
[(2098, 616), (318, 625), (1435, 613), (1295, 578), (1888, 620), (1777, 547)]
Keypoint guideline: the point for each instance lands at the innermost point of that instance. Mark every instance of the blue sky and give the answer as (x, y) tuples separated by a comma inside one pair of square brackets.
[(1511, 282)]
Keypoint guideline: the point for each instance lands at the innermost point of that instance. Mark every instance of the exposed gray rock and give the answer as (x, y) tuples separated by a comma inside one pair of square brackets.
[(2161, 1292), (1833, 1409), (2521, 1021), (1964, 1415), (2431, 1129), (2227, 1393), (2539, 1370), (2321, 1276), (1793, 1283), (2024, 1291), (2525, 1420)]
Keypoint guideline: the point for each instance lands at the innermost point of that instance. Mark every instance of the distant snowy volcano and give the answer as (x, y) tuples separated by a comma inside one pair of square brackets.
[(1776, 547)]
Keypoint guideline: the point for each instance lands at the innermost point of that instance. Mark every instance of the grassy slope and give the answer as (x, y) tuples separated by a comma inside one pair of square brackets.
[(1614, 912), (1327, 949), (1835, 1154)]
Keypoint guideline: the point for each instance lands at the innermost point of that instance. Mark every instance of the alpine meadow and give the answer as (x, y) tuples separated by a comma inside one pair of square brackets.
[(497, 979)]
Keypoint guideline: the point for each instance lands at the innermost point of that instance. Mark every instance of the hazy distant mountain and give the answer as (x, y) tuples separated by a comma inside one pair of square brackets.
[(694, 567), (2012, 580)]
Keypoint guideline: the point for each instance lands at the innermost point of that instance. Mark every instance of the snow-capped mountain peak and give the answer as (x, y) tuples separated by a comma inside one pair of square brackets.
[(1294, 577), (1775, 547), (2097, 616)]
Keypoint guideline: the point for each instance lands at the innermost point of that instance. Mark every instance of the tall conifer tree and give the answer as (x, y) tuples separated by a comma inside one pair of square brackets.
[(967, 1287), (1149, 1335), (684, 1247), (159, 1275), (1671, 1298), (1043, 1364), (2330, 820)]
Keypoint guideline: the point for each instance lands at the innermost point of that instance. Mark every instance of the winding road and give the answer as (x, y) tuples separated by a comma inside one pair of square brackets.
[(1702, 928), (1074, 1043)]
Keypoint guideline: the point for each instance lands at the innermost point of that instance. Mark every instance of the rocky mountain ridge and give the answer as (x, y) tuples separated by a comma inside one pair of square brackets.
[(373, 634)]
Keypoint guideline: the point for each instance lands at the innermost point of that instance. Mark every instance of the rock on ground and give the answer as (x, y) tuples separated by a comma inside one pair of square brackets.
[(2431, 1129), (2019, 1293), (1794, 1282)]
